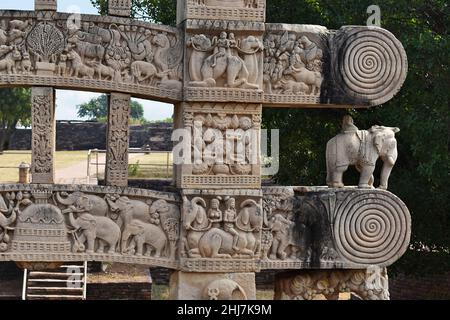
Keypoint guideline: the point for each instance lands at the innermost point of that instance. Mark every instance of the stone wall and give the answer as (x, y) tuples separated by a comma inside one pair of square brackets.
[(71, 135)]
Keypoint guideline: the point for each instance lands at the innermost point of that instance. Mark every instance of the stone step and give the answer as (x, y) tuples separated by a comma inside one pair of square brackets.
[(53, 289), (55, 280), (53, 297), (73, 265), (51, 275)]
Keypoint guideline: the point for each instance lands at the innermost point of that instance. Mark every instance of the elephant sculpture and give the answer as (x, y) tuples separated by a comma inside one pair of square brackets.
[(93, 228), (99, 205), (145, 235), (362, 149)]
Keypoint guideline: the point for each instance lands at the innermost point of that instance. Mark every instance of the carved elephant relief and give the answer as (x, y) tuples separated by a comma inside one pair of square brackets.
[(93, 228), (146, 239)]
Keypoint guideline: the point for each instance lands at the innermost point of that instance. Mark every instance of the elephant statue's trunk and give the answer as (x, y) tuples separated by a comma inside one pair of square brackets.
[(6, 222), (73, 221), (65, 201)]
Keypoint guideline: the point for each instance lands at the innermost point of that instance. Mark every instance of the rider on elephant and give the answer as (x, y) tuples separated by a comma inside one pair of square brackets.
[(215, 214), (221, 50), (230, 219), (348, 126)]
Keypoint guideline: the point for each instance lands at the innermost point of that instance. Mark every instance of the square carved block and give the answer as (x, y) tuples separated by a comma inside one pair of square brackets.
[(50, 5), (244, 10), (212, 286), (224, 66), (121, 8), (223, 143), (232, 216)]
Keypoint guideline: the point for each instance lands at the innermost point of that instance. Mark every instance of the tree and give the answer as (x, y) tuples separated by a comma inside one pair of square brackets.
[(421, 110), (15, 109), (97, 109), (157, 11)]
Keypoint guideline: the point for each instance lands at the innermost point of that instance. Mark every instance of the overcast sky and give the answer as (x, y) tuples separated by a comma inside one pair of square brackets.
[(68, 100)]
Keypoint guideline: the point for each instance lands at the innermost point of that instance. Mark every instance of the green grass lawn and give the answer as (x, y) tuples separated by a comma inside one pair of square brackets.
[(13, 159), (150, 166)]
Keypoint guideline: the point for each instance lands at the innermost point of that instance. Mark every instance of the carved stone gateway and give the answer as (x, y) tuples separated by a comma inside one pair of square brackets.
[(220, 67)]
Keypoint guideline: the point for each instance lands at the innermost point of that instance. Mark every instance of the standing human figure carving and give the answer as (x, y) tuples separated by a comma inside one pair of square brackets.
[(230, 218)]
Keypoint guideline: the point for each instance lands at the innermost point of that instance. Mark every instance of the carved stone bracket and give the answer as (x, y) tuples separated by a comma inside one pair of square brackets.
[(367, 284), (43, 135), (212, 286)]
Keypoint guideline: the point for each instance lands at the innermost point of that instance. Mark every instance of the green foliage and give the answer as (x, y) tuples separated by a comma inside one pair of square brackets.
[(133, 170), (421, 110), (15, 109), (157, 11), (97, 109)]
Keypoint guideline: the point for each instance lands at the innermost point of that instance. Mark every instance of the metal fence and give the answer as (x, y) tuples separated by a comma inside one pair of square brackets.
[(143, 164)]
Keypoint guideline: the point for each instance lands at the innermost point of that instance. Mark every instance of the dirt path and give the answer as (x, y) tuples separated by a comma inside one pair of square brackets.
[(77, 174)]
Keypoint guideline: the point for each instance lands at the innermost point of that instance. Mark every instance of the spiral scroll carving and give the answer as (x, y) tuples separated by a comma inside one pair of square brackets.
[(372, 228), (373, 64)]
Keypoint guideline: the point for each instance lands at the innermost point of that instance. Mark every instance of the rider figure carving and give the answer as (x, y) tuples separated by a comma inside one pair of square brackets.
[(230, 219), (222, 48), (215, 214)]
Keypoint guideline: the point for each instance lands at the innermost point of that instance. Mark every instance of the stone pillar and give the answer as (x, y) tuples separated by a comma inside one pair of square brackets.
[(116, 173), (220, 177), (212, 286), (43, 135), (121, 8), (48, 5), (369, 284), (24, 173)]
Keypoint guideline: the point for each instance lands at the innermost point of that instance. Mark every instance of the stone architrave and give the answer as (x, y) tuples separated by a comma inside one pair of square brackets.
[(121, 8), (212, 286), (43, 135), (50, 5), (118, 140)]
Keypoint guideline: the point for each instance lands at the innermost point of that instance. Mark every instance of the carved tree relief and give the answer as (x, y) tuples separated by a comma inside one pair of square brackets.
[(43, 136), (118, 140)]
